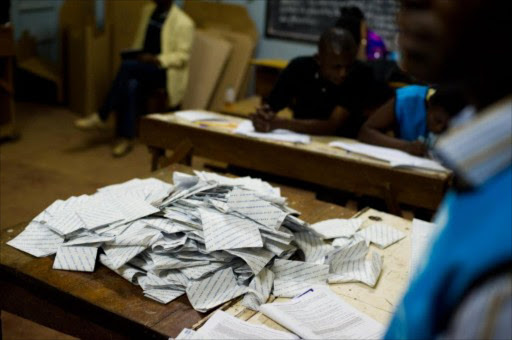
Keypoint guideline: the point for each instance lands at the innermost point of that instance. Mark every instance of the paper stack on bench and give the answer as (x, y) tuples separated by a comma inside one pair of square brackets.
[(209, 236)]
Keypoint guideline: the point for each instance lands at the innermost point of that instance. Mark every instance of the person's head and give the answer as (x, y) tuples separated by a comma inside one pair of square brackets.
[(352, 19), (462, 43), (336, 53), (443, 105)]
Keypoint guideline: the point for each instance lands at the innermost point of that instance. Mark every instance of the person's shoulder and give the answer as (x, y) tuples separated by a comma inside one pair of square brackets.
[(303, 62), (185, 20), (412, 91)]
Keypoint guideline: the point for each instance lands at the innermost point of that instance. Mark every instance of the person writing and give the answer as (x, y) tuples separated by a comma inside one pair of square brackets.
[(463, 288), (416, 115), (328, 92), (160, 60)]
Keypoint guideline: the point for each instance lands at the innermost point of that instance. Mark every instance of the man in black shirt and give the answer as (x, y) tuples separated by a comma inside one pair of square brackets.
[(328, 93)]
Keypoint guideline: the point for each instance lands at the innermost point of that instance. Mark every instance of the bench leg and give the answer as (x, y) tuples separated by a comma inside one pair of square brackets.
[(156, 155)]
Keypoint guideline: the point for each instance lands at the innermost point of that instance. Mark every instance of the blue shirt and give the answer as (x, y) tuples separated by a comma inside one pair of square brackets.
[(411, 112), (476, 230)]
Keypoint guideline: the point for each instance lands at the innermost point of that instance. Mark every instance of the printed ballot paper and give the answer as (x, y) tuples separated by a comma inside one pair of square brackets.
[(221, 325), (319, 313), (395, 158), (209, 237)]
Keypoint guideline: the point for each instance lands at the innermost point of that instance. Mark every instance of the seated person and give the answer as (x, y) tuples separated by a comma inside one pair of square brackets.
[(164, 40), (370, 44), (328, 92), (416, 115)]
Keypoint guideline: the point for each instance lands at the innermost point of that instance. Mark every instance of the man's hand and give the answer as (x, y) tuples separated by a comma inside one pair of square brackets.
[(148, 58), (417, 148), (263, 119), (260, 123), (265, 112)]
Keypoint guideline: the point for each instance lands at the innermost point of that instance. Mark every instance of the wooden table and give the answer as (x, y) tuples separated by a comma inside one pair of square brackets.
[(101, 304), (378, 302), (315, 163)]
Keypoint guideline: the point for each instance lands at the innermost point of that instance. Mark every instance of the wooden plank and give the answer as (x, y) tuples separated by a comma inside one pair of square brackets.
[(315, 163), (82, 304)]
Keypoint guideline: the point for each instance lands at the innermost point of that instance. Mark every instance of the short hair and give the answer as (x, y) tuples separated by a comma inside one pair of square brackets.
[(337, 40), (451, 100), (350, 19)]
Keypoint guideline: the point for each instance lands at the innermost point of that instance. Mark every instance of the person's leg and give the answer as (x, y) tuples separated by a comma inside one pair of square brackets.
[(142, 80), (114, 98), (115, 95)]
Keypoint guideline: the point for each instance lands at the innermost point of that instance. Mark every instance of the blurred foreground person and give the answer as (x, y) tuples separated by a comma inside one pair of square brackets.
[(463, 289)]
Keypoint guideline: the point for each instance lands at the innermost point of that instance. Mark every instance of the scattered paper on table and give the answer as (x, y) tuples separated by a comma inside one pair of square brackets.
[(221, 325), (76, 258), (321, 314), (395, 158), (246, 128), (381, 234), (337, 227), (292, 277)]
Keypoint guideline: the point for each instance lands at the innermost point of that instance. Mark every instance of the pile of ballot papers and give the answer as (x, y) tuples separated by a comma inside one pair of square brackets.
[(211, 237)]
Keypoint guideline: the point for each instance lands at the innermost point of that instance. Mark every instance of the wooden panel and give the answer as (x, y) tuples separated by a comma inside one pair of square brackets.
[(316, 163)]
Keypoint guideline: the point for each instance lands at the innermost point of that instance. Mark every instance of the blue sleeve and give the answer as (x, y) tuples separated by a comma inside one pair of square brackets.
[(411, 112)]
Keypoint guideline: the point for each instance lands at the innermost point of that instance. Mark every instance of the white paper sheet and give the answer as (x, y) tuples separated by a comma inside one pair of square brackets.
[(128, 272), (321, 314), (248, 204), (76, 258), (65, 222), (396, 158), (214, 290), (422, 233), (314, 248), (198, 115), (221, 325), (37, 240), (186, 333), (246, 128), (259, 289), (163, 295), (360, 270), (293, 277), (222, 231), (381, 234), (98, 212), (256, 258), (337, 227)]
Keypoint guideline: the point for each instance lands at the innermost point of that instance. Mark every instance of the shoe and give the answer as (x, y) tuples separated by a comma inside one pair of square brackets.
[(122, 147), (90, 122)]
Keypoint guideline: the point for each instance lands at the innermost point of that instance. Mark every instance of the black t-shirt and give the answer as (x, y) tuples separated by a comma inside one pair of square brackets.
[(301, 88), (152, 40)]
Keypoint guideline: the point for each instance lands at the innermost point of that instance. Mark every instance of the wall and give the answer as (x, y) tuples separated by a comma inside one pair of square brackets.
[(40, 18), (271, 47)]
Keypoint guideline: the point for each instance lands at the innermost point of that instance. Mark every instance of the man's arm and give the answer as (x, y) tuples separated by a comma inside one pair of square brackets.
[(310, 126), (374, 131)]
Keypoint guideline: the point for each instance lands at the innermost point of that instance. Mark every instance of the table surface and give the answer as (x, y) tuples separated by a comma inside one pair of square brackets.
[(315, 162), (378, 302), (102, 304)]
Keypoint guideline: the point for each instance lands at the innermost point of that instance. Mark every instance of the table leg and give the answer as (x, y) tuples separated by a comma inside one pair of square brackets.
[(390, 199), (156, 155)]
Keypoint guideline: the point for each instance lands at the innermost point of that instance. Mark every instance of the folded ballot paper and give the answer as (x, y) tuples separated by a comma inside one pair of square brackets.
[(395, 158), (210, 237)]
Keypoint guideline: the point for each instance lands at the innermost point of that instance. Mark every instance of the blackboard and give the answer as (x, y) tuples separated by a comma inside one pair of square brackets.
[(305, 20)]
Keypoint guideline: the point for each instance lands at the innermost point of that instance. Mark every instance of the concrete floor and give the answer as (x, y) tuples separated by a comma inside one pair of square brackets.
[(53, 160)]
